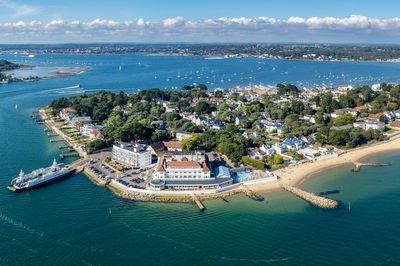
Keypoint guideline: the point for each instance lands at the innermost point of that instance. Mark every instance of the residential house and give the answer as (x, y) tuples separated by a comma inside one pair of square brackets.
[(182, 135), (67, 113), (173, 145), (395, 124), (379, 117), (80, 121), (270, 126), (366, 124), (200, 120), (156, 148), (339, 112), (240, 119), (294, 144)]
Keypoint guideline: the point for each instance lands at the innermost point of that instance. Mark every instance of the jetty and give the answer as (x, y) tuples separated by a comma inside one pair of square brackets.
[(358, 165), (56, 140), (198, 203), (69, 154), (78, 165), (318, 201)]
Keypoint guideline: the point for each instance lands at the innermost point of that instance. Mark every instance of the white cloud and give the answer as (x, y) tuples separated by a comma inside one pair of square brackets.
[(173, 22), (19, 10), (354, 28)]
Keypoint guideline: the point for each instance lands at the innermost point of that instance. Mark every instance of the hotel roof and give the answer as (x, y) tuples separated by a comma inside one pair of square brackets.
[(183, 164)]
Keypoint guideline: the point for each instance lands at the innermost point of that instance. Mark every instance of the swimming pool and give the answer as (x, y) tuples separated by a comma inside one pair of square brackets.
[(241, 176)]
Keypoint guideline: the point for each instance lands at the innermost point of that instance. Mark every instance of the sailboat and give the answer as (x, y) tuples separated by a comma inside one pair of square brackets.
[(16, 106), (120, 68)]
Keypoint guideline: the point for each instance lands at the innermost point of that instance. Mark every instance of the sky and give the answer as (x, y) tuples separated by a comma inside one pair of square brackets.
[(303, 21)]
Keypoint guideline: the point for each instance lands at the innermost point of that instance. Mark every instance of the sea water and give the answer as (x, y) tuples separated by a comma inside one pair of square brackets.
[(69, 222)]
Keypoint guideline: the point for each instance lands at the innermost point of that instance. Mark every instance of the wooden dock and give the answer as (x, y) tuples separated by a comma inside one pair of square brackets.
[(318, 201), (68, 154), (56, 140), (358, 165), (198, 203)]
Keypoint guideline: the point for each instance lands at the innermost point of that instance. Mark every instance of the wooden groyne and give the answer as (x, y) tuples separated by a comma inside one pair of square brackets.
[(314, 199), (198, 203), (252, 195), (358, 165)]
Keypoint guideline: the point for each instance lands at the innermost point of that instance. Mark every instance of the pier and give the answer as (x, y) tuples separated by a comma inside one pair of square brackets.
[(69, 154), (56, 140), (312, 198), (198, 203), (358, 165), (78, 165)]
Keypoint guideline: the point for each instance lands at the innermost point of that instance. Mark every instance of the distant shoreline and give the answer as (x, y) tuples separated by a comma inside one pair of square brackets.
[(49, 75)]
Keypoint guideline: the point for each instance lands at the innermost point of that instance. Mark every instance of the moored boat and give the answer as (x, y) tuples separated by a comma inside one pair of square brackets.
[(39, 177)]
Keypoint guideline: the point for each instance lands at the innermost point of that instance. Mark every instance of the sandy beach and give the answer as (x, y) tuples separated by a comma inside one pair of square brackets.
[(293, 175)]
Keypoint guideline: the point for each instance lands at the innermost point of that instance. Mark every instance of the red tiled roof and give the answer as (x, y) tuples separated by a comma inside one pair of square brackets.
[(69, 110), (376, 116), (183, 164), (173, 144), (205, 167), (395, 123), (360, 108)]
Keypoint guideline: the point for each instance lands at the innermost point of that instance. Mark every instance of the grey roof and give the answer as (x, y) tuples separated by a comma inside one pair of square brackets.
[(215, 181)]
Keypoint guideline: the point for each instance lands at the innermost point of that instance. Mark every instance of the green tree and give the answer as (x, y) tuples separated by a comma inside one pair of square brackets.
[(344, 119), (277, 159), (191, 143), (392, 106), (203, 107)]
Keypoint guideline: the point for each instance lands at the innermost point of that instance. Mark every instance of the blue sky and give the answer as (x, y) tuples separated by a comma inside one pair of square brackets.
[(196, 10), (199, 20)]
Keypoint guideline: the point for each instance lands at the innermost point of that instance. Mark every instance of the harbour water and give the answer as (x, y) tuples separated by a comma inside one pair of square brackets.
[(74, 222)]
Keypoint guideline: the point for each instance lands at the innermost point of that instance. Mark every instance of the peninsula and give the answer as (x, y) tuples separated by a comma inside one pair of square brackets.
[(196, 144), (6, 66)]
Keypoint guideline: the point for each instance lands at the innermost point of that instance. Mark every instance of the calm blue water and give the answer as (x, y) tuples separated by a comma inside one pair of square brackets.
[(143, 71), (69, 223)]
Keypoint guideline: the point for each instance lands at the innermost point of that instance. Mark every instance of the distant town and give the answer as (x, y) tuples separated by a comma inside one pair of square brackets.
[(315, 52), (194, 140)]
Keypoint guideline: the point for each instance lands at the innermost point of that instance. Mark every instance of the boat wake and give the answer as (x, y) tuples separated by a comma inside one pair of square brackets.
[(77, 89), (26, 228)]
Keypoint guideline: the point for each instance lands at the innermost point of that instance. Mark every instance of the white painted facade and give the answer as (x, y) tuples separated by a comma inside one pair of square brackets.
[(136, 156)]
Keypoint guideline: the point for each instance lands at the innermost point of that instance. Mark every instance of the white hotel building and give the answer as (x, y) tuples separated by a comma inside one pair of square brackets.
[(135, 156), (182, 170)]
